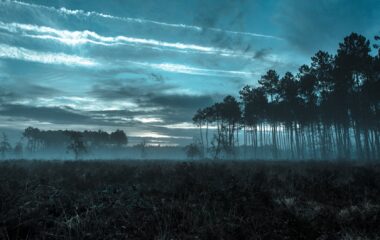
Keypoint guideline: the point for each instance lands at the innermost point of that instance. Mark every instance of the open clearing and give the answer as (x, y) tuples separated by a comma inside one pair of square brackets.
[(189, 200)]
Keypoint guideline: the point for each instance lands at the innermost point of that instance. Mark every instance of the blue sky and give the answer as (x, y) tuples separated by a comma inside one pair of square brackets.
[(146, 66)]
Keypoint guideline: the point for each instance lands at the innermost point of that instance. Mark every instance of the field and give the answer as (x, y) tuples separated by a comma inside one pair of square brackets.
[(189, 200)]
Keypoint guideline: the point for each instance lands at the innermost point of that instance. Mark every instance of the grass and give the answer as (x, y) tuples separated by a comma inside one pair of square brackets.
[(189, 200)]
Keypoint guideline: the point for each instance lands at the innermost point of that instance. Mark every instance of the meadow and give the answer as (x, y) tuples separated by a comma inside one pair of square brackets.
[(189, 200)]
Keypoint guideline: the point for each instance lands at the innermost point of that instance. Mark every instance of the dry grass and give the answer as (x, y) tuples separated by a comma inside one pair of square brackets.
[(188, 200)]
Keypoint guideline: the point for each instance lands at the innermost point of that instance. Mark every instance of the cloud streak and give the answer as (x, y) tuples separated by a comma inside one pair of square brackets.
[(171, 107), (49, 114), (185, 69), (74, 38), (81, 13), (19, 53)]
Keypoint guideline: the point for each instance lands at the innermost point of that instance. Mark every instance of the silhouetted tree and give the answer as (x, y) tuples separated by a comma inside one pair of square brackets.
[(255, 109), (193, 150), (119, 138), (18, 150), (77, 145), (269, 83), (5, 146), (199, 120), (330, 108), (376, 45), (230, 114), (352, 67), (308, 94), (208, 115), (32, 136), (142, 146), (43, 140)]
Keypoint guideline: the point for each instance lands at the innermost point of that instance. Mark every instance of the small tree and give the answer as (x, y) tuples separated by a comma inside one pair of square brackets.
[(18, 150), (5, 146), (193, 150), (142, 146), (220, 146), (76, 145)]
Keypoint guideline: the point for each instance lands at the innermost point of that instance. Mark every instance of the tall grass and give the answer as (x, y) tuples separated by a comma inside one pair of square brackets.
[(189, 200)]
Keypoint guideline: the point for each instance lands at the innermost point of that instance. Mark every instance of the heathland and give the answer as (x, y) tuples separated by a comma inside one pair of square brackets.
[(189, 200)]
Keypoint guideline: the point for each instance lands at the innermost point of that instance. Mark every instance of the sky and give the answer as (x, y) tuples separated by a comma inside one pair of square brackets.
[(146, 66)]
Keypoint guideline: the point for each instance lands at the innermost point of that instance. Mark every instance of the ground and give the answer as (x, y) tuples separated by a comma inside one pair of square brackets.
[(189, 200)]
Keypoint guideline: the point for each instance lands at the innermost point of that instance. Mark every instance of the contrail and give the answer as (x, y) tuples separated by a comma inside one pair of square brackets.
[(83, 37), (18, 53), (74, 38), (66, 11)]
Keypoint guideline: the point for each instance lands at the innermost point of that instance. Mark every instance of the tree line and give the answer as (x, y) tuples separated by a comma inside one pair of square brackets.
[(328, 109), (77, 142)]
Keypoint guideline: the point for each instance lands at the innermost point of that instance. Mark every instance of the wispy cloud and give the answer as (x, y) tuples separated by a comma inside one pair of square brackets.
[(182, 125), (85, 103), (185, 69), (19, 53), (74, 38), (81, 13), (151, 134), (148, 119)]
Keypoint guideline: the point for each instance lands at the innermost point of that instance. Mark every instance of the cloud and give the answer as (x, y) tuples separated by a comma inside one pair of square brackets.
[(148, 119), (19, 53), (18, 91), (230, 14), (262, 54), (154, 101), (74, 38), (156, 116), (157, 77), (59, 115), (310, 26), (81, 13), (148, 95), (36, 90), (178, 101), (181, 68), (182, 125), (153, 109), (6, 95), (49, 114), (83, 103), (128, 89)]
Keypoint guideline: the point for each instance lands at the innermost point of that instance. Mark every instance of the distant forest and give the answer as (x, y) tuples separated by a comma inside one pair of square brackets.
[(37, 143), (76, 142), (329, 109), (49, 139)]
